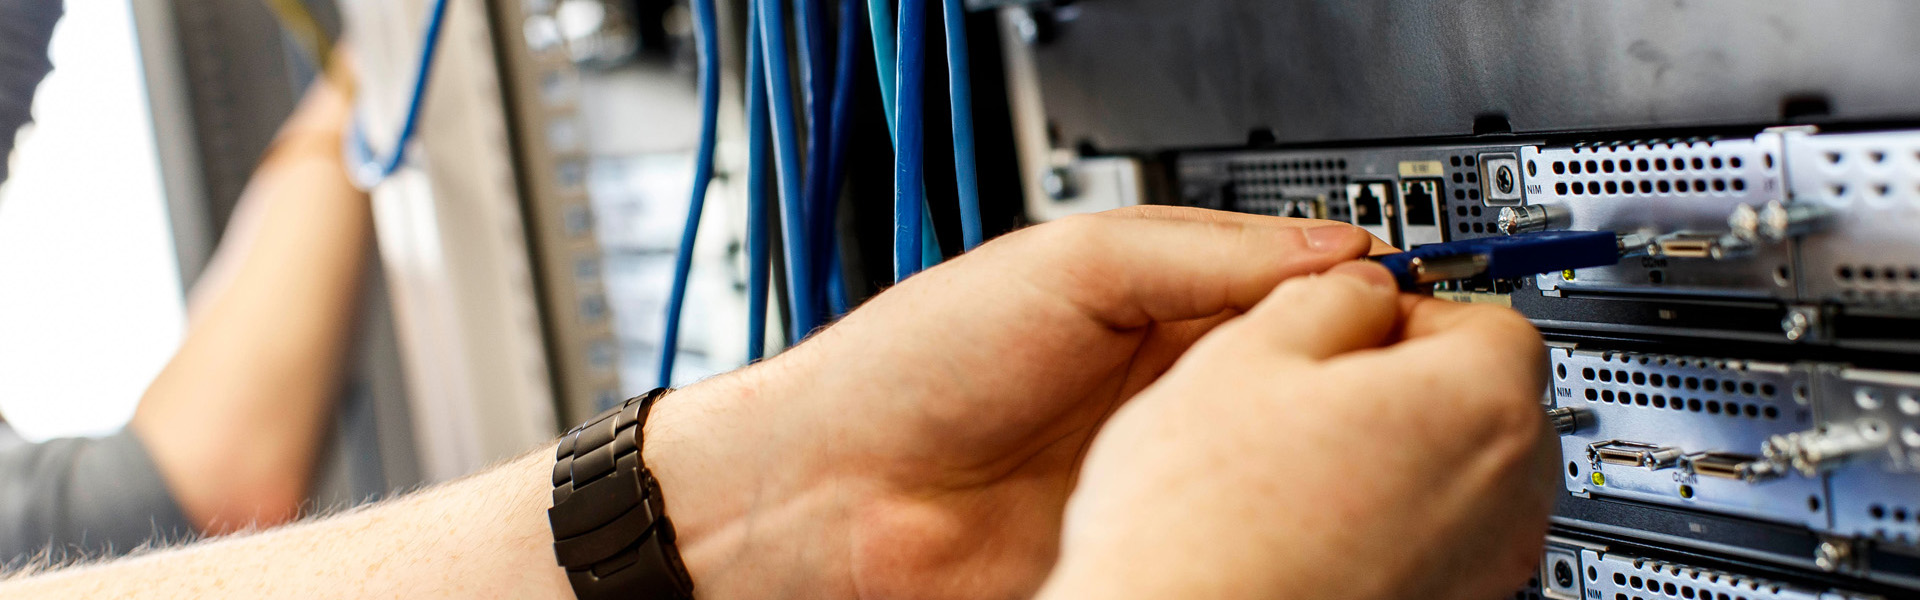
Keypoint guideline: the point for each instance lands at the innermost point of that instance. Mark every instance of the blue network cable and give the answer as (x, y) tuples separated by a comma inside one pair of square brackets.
[(786, 149), (707, 40), (816, 85), (880, 22), (759, 251), (366, 170), (962, 94), (908, 197), (843, 69)]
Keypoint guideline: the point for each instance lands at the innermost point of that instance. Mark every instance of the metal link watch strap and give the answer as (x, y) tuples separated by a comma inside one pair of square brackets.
[(610, 527)]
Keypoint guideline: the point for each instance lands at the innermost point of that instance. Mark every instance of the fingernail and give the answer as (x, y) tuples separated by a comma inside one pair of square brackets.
[(1331, 237), (1369, 272)]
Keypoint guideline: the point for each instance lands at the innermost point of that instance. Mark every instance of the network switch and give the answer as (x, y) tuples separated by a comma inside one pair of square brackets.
[(1799, 241)]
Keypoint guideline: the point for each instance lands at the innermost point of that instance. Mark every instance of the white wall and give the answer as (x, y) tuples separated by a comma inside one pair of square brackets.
[(90, 303)]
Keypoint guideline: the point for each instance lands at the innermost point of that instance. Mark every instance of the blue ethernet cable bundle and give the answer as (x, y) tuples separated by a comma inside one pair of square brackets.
[(808, 173), (808, 196)]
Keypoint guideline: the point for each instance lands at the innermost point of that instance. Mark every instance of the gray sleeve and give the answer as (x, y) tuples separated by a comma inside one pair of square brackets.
[(26, 28), (83, 497)]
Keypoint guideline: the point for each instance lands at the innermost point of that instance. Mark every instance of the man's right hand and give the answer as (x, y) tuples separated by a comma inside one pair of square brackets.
[(1338, 441)]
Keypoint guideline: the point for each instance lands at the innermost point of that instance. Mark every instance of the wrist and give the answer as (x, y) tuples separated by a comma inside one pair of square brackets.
[(751, 521)]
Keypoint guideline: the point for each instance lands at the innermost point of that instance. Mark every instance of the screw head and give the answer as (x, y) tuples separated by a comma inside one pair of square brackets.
[(1058, 183), (1503, 179), (1796, 325), (1832, 556)]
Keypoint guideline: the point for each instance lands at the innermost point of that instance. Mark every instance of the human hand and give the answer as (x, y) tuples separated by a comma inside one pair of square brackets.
[(1339, 441), (925, 445)]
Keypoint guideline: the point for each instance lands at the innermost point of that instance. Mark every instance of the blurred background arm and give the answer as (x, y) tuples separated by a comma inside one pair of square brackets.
[(235, 421)]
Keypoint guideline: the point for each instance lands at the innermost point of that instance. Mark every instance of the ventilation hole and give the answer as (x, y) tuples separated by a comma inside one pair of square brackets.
[(1473, 177), (1866, 273), (1881, 190), (1751, 411), (1592, 395), (1680, 185), (1693, 383), (1700, 185), (1619, 579), (1459, 194), (1613, 187), (1664, 186), (1877, 156), (1456, 161), (1606, 396), (1693, 404), (1626, 166), (1670, 589), (1713, 407), (1900, 515), (1479, 227), (1834, 157), (1620, 376), (1472, 194), (1739, 185), (1637, 583), (1560, 370), (1559, 168), (1768, 159), (1844, 272), (1460, 210), (1719, 185), (1659, 164), (1533, 168), (1837, 190), (1469, 161), (1593, 187), (1593, 166), (1640, 399), (1457, 178), (1639, 378), (1710, 385), (1587, 373), (1659, 401), (1646, 187), (1746, 387), (1699, 164), (1657, 379), (1573, 166), (1606, 166), (1813, 503), (1877, 511), (1560, 188), (1715, 163), (1770, 412), (1463, 227), (1592, 573)]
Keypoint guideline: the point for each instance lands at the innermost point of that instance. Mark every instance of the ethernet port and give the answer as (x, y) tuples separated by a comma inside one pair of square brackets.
[(1368, 207), (1421, 199)]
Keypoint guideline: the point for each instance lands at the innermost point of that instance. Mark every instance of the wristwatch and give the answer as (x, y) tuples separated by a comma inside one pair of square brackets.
[(610, 527)]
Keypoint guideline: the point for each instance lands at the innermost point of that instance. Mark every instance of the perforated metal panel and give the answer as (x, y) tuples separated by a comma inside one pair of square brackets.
[(1870, 256), (1622, 577), (1662, 186), (1877, 494), (1692, 405)]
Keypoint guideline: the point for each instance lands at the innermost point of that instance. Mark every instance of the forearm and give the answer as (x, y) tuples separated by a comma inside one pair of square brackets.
[(236, 418), (485, 536)]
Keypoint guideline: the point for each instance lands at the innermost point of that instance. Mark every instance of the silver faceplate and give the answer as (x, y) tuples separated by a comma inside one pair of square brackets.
[(1613, 575), (1876, 494), (1695, 405), (1655, 187), (1870, 254)]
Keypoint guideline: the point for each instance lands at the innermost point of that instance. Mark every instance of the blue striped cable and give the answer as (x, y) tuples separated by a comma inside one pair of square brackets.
[(961, 92)]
